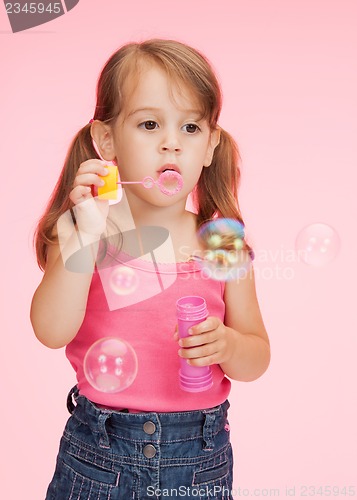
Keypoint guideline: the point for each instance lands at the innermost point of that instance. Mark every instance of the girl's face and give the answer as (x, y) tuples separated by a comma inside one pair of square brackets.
[(160, 128)]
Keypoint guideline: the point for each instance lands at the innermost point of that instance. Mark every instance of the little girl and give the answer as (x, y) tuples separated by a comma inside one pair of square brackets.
[(158, 105)]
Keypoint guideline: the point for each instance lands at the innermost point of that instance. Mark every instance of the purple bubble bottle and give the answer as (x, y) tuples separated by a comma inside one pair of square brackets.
[(190, 311)]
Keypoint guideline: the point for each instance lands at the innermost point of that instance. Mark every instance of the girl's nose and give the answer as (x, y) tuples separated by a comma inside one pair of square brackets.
[(170, 144)]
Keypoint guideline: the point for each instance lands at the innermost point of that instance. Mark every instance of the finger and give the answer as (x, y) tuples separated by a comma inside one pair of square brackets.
[(88, 179), (93, 166), (210, 359), (79, 194), (197, 340), (206, 361), (199, 352), (211, 323)]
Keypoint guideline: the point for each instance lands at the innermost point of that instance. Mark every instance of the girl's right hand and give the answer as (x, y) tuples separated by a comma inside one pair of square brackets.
[(91, 213)]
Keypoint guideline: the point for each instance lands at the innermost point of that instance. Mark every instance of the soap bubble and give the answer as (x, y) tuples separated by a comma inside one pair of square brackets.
[(110, 365), (123, 280), (317, 244), (223, 265), (224, 258)]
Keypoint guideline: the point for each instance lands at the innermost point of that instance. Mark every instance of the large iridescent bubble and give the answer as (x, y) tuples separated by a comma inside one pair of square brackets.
[(110, 365), (224, 257)]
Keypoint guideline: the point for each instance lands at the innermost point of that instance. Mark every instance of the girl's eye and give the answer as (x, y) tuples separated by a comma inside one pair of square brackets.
[(148, 125), (191, 128)]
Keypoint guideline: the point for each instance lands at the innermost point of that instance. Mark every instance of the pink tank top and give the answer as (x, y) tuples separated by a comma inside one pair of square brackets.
[(144, 314)]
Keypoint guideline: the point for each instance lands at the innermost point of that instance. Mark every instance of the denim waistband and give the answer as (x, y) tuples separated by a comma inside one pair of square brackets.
[(161, 427)]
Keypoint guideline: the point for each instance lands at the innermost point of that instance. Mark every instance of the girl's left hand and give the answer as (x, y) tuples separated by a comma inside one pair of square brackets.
[(209, 342)]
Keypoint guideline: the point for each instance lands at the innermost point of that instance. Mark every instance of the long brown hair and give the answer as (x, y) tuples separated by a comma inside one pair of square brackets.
[(216, 194)]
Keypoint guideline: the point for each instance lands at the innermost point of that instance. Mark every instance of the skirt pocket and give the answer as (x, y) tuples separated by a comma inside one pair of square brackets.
[(76, 478), (214, 477)]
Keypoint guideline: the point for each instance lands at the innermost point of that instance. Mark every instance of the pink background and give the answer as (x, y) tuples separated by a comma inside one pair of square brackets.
[(288, 72)]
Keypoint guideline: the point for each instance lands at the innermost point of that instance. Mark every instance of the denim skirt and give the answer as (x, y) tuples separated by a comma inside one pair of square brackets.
[(106, 454)]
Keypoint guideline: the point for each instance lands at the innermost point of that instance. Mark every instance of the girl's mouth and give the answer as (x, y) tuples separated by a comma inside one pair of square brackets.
[(169, 167)]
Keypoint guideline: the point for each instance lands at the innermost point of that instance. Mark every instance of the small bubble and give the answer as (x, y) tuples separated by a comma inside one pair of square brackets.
[(110, 365), (123, 280), (317, 244)]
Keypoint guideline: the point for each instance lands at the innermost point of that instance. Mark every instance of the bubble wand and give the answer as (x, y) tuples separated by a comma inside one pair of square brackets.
[(169, 182)]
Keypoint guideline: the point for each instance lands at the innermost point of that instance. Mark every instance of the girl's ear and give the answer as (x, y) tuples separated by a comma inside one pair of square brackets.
[(213, 143), (102, 136)]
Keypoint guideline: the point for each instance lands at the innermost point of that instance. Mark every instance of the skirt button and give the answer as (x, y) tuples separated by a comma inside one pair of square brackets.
[(149, 427), (149, 451)]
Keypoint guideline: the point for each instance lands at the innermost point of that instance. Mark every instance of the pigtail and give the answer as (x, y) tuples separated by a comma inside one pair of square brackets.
[(216, 193), (81, 149)]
